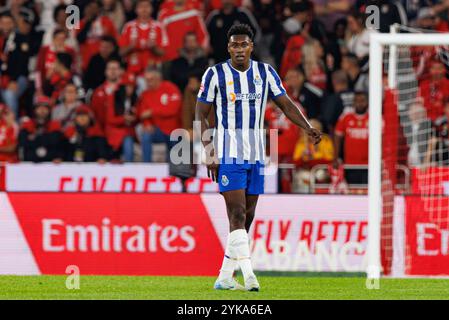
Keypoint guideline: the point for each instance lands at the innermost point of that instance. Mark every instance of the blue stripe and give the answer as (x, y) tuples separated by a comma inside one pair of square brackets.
[(252, 116), (206, 84), (224, 107), (263, 76), (278, 83), (238, 112)]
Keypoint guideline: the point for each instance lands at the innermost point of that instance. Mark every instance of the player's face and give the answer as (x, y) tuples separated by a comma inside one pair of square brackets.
[(360, 103), (240, 48)]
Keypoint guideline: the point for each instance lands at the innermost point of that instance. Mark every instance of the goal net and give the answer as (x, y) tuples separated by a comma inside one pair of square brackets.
[(409, 133)]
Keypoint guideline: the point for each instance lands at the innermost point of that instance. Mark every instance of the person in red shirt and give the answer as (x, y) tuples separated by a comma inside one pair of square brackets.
[(47, 57), (178, 20), (435, 90), (114, 111), (352, 131), (159, 111), (93, 27), (8, 135), (143, 41)]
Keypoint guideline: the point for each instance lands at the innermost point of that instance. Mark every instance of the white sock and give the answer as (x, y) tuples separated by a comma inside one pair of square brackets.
[(240, 247), (229, 263)]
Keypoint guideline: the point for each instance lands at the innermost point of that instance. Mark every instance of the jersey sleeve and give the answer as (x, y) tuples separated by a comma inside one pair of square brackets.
[(275, 87), (340, 127), (206, 94)]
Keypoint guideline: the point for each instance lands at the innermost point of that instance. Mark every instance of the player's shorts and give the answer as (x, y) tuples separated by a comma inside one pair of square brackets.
[(247, 176)]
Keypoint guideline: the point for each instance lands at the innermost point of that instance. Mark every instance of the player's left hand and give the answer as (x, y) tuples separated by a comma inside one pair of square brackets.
[(315, 135)]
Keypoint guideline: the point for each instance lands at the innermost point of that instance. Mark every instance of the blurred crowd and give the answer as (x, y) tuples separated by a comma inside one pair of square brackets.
[(129, 74)]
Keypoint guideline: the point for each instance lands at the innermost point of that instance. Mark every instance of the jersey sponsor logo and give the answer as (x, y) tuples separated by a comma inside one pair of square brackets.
[(244, 96)]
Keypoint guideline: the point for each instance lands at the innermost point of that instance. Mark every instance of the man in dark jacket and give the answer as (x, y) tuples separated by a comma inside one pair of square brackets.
[(218, 23), (192, 60), (40, 138), (86, 141), (18, 45)]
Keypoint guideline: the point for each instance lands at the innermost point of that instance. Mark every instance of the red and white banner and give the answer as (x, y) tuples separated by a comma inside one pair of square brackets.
[(185, 234), (92, 177), (427, 235), (430, 181), (174, 234)]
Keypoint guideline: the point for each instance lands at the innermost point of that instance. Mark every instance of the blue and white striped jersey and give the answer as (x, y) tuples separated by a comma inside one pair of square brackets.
[(239, 99)]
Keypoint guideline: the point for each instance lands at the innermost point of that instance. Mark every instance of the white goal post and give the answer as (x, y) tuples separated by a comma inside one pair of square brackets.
[(377, 42)]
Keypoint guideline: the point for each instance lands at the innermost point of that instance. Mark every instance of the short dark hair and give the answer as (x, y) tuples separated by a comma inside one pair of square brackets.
[(361, 93), (240, 29)]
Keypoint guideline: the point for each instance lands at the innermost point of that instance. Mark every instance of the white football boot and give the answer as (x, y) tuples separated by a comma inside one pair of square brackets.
[(251, 284), (228, 284)]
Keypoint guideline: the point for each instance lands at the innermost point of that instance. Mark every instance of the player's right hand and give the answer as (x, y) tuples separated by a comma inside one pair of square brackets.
[(212, 171)]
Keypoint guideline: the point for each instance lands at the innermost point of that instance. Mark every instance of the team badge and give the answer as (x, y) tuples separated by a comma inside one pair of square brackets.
[(224, 180), (257, 81)]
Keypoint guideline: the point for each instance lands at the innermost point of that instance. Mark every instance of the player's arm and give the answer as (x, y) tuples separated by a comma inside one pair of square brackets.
[(204, 105), (295, 115), (202, 114)]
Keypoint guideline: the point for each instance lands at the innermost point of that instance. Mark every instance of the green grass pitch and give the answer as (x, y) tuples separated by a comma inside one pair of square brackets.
[(192, 288)]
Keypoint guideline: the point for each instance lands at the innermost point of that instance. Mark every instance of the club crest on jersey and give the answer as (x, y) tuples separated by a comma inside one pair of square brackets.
[(224, 180), (257, 81)]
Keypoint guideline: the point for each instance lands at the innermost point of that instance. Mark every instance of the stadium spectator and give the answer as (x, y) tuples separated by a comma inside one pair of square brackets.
[(351, 133), (64, 111), (427, 18), (47, 57), (330, 11), (58, 21), (192, 59), (313, 63), (114, 110), (59, 75), (358, 81), (143, 41), (306, 154), (357, 39), (18, 46), (418, 133), (438, 152), (95, 72), (435, 89), (159, 111), (308, 95), (292, 56), (113, 9), (93, 26), (304, 20), (218, 23), (333, 104), (85, 139), (268, 13), (40, 138), (8, 135), (179, 20)]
